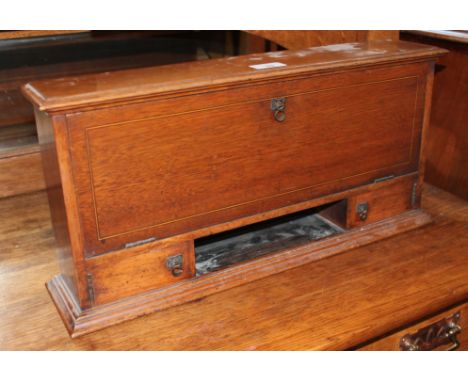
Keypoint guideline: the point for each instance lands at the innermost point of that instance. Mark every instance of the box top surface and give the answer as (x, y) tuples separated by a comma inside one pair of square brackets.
[(94, 90)]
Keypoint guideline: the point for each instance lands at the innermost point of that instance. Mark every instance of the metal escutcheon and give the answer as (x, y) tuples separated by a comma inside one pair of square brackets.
[(362, 211), (278, 106), (175, 264)]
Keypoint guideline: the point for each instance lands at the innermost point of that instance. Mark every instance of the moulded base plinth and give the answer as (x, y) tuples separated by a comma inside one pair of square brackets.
[(82, 321)]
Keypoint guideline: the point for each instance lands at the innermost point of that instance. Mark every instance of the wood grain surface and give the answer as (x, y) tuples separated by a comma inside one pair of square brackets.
[(98, 89), (110, 274), (35, 33), (336, 303), (178, 154), (21, 173), (222, 156), (375, 114), (300, 39), (125, 273)]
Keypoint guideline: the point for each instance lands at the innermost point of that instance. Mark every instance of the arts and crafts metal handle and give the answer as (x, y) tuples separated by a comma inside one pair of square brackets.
[(362, 211), (278, 106), (175, 264), (443, 332)]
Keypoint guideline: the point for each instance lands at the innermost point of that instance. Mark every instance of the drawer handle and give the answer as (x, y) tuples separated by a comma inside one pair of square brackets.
[(362, 211), (175, 264), (278, 106), (443, 332)]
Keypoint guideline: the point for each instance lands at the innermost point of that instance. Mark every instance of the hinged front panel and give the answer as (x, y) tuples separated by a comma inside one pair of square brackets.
[(179, 171)]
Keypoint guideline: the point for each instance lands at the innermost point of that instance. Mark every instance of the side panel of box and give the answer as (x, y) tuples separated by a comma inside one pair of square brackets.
[(55, 196), (54, 153)]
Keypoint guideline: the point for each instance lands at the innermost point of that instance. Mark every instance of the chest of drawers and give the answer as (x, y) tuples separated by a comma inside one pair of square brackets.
[(154, 173)]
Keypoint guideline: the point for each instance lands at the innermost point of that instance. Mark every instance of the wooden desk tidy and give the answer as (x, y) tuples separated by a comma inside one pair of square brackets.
[(170, 183)]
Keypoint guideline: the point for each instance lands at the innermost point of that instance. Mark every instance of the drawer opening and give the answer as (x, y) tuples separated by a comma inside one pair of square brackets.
[(228, 248)]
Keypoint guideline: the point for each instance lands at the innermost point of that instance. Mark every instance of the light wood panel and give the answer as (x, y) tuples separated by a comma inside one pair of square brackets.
[(21, 173), (35, 33), (300, 39)]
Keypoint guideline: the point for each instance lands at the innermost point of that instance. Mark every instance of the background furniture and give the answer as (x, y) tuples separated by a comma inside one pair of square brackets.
[(447, 145), (33, 55)]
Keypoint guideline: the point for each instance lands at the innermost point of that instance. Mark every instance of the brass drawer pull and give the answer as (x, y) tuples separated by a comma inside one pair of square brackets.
[(175, 264), (278, 106), (443, 332)]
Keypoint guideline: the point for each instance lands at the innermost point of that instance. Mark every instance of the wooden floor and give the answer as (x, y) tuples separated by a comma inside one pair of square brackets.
[(336, 303)]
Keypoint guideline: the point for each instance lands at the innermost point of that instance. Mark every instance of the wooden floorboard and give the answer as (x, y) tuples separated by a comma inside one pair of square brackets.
[(335, 303)]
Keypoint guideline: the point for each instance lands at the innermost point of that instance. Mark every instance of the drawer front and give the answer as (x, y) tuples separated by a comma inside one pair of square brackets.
[(178, 171), (430, 334), (125, 273), (392, 199)]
